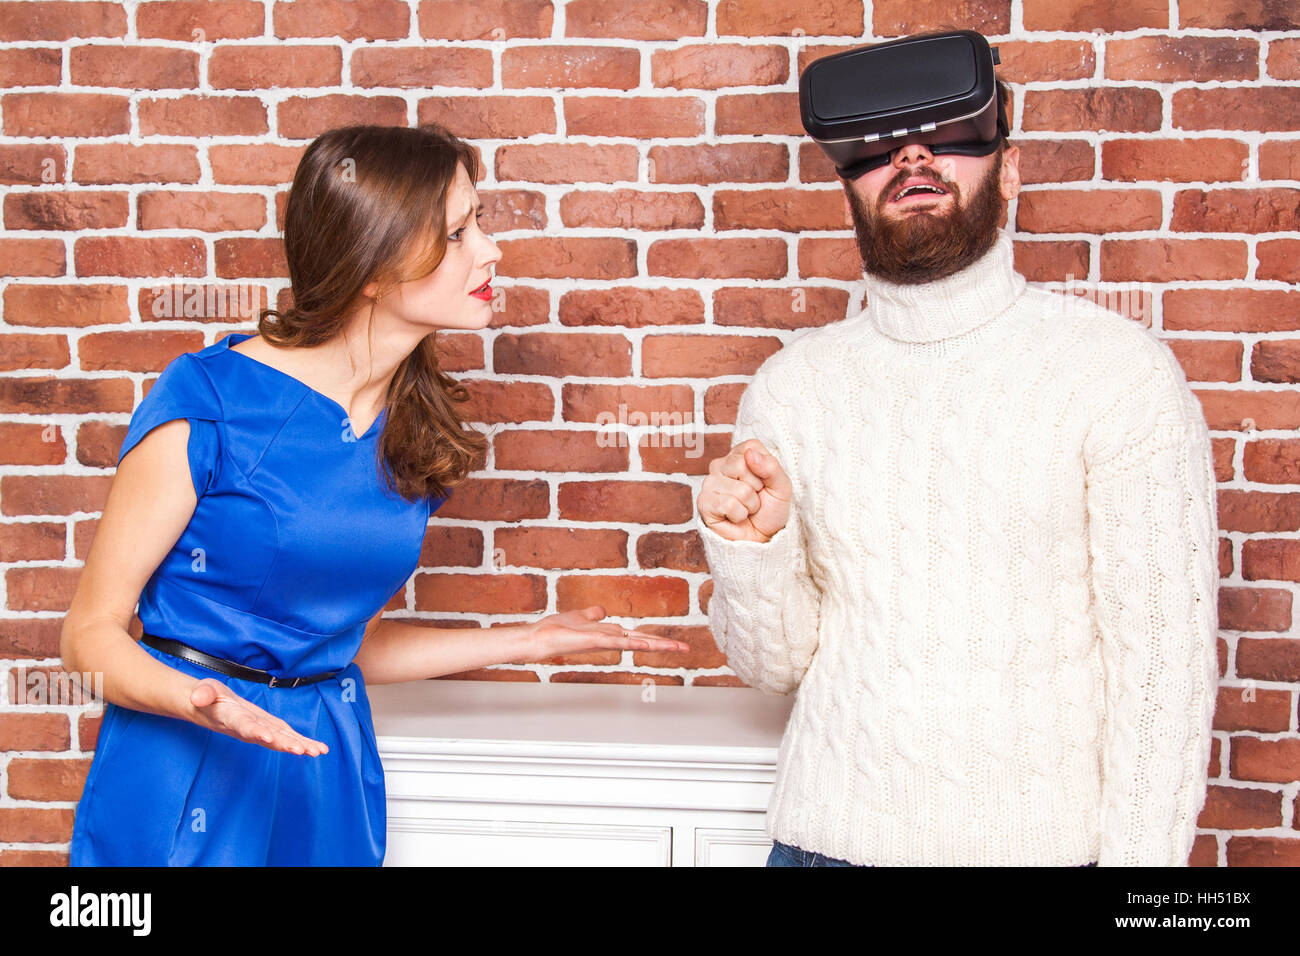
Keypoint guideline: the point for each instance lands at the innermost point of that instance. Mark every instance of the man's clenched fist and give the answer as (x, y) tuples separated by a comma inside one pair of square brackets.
[(746, 496)]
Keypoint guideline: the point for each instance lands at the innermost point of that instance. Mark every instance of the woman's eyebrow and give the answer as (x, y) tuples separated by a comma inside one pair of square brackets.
[(465, 215)]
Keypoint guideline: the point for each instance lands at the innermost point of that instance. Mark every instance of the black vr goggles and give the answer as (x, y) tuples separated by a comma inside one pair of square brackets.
[(936, 88)]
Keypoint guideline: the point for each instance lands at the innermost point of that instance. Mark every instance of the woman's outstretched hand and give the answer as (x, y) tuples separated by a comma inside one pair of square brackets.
[(219, 708), (573, 632)]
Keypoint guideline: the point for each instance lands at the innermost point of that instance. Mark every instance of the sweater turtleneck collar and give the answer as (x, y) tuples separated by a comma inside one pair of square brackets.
[(947, 307)]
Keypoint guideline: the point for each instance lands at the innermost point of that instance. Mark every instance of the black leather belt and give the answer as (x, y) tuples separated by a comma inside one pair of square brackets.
[(229, 668)]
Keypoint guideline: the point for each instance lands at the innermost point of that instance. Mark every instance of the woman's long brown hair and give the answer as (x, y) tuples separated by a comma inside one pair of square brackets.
[(369, 203)]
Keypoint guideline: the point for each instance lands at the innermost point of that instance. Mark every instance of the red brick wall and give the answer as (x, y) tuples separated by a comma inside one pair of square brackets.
[(661, 214)]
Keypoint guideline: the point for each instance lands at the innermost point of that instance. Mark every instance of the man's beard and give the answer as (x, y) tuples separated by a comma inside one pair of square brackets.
[(917, 247)]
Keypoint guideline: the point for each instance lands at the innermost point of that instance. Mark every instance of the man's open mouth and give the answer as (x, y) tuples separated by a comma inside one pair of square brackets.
[(918, 189)]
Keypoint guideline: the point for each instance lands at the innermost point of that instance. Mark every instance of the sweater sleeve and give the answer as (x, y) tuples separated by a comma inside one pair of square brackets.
[(1152, 519), (765, 608)]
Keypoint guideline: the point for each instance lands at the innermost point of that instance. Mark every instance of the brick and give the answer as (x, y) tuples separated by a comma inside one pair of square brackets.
[(1268, 761), (748, 257), (1167, 260), (100, 164), (768, 18), (1173, 160), (372, 20), (31, 444), (631, 307), (567, 163), (33, 257), (1051, 261), (706, 164), (201, 301), (33, 351), (521, 305), (1276, 361), (571, 66), (248, 257), (562, 548), (709, 66), (30, 540), (203, 116), (1265, 711), (26, 824), (60, 20), (681, 454), (30, 66), (259, 165), (306, 117), (1262, 108), (624, 595), (487, 20), (1268, 659), (635, 19), (1272, 461), (1088, 210), (1223, 450), (589, 403), (1112, 109), (789, 210), (1278, 259), (1275, 559), (267, 66), (450, 546), (613, 677), (1254, 609), (200, 20), (147, 351), (1238, 14), (30, 638), (1240, 808), (508, 209), (631, 209), (495, 593), (32, 165), (758, 114), (678, 550), (421, 67), (1050, 61), (1055, 161), (641, 117), (134, 67), (1261, 851), (1169, 59), (65, 209), (1231, 310), (722, 403), (544, 450), (829, 259), (40, 589), (485, 116), (1236, 210), (680, 356), (1232, 410), (134, 256), (49, 495), (497, 499), (786, 308), (892, 18), (570, 257), (495, 402), (65, 305), (1279, 160), (1208, 361), (1283, 59), (204, 211), (65, 114), (34, 732), (562, 353), (1262, 511), (633, 502), (703, 653)]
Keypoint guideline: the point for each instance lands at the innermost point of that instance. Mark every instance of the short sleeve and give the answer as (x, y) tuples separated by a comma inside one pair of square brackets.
[(183, 390)]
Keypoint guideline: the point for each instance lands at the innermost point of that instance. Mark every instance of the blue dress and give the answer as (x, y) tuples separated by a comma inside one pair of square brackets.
[(294, 545)]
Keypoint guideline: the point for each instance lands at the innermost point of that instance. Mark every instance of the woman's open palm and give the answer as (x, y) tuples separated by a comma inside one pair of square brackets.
[(572, 632), (219, 708)]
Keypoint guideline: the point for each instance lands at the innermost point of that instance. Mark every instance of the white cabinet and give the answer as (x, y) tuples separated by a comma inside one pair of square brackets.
[(506, 773)]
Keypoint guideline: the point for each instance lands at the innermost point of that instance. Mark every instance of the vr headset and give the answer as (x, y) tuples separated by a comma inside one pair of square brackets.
[(935, 88)]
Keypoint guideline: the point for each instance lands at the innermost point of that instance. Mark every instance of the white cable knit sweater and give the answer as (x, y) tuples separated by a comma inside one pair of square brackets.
[(996, 593)]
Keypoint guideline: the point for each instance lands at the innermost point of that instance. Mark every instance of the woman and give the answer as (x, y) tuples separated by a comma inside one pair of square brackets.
[(271, 496)]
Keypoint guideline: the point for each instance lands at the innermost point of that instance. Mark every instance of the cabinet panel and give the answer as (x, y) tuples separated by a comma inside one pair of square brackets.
[(731, 847), (423, 841)]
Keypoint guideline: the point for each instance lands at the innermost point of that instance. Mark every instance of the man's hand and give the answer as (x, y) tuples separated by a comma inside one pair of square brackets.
[(746, 496)]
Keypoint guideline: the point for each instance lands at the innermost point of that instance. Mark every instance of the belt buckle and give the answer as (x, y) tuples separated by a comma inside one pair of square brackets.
[(282, 681)]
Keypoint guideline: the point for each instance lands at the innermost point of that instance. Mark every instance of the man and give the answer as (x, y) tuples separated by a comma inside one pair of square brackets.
[(975, 527)]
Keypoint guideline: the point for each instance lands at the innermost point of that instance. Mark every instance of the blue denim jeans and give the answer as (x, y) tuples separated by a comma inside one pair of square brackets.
[(784, 854)]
